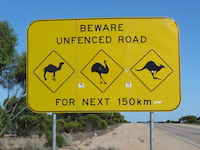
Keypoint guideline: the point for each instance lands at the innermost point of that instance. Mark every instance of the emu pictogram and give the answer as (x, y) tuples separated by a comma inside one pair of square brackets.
[(52, 69), (153, 68), (99, 68)]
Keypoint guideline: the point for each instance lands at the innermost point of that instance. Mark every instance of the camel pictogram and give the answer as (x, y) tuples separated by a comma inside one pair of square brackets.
[(52, 69), (99, 68), (153, 68)]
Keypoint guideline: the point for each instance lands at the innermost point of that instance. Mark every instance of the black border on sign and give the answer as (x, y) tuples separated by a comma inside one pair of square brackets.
[(162, 60), (63, 81), (91, 80)]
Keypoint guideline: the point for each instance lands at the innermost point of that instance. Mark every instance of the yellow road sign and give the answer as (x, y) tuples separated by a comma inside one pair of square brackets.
[(103, 65)]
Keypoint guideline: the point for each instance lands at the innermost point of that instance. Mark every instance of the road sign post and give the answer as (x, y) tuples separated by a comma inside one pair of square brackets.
[(103, 64), (53, 131), (151, 130)]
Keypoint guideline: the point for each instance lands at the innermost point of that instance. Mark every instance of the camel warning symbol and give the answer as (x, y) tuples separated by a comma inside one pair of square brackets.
[(53, 71), (102, 71), (151, 70)]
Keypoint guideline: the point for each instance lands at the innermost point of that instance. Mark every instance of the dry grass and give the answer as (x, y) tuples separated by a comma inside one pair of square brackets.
[(22, 143), (36, 143), (88, 135)]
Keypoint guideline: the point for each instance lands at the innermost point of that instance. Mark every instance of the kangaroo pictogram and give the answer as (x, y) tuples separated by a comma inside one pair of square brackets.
[(153, 68)]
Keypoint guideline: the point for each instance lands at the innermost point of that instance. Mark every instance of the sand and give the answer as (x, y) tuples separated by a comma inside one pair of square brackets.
[(132, 136)]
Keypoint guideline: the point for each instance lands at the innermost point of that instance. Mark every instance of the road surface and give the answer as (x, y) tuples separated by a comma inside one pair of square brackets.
[(189, 133)]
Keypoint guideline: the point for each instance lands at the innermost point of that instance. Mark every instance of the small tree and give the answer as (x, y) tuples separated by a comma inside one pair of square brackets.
[(103, 124), (8, 41), (4, 118), (71, 127), (92, 122), (189, 119)]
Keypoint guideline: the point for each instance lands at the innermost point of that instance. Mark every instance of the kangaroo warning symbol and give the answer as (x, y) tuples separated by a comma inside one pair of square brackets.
[(151, 70), (53, 71), (102, 71)]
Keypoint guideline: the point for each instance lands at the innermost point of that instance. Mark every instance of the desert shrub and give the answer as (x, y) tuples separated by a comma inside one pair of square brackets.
[(103, 124), (67, 120), (117, 120), (112, 148), (48, 135), (40, 135), (71, 127), (68, 138), (60, 125), (43, 126), (92, 122), (100, 148), (81, 127), (112, 123), (1, 142), (31, 145), (26, 125), (60, 121), (60, 141), (1, 127), (50, 126)]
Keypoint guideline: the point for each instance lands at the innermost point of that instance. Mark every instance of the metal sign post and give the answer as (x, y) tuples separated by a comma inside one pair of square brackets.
[(54, 131), (151, 130)]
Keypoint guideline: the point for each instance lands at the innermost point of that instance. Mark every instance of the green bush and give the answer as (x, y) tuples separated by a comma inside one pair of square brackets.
[(60, 141), (31, 145), (40, 135), (68, 138), (67, 120), (92, 122), (103, 125), (81, 127), (48, 135), (112, 148), (43, 126), (112, 123), (60, 125), (60, 122), (189, 119), (117, 120), (71, 127)]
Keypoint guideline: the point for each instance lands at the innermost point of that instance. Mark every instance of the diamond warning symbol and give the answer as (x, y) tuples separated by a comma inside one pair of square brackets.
[(151, 70), (102, 71), (53, 71)]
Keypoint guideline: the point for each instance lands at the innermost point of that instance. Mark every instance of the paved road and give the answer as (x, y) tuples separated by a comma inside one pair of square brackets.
[(189, 133)]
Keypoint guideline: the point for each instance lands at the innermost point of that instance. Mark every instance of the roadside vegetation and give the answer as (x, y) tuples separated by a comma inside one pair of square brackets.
[(189, 119)]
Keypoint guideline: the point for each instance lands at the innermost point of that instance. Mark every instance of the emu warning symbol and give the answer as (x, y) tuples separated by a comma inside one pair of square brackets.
[(102, 71), (151, 70), (53, 71)]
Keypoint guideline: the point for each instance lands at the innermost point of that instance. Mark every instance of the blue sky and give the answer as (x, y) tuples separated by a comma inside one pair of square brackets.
[(185, 12)]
